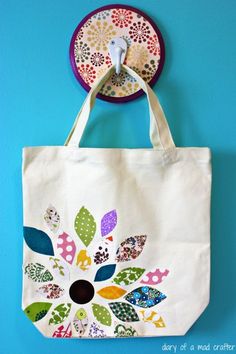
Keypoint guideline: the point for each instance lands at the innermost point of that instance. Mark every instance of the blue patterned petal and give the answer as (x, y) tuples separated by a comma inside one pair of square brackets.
[(145, 297)]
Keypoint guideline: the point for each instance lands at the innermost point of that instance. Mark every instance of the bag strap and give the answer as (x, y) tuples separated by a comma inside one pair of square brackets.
[(159, 132)]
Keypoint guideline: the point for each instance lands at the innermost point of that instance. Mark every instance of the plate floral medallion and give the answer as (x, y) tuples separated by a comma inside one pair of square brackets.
[(90, 57)]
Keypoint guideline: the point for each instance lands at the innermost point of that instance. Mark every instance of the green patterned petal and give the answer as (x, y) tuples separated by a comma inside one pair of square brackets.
[(124, 312), (101, 314), (38, 272), (60, 313), (128, 276), (37, 310), (85, 226), (124, 331)]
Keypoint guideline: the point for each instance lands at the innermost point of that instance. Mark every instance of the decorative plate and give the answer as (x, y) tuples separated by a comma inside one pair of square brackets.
[(90, 57)]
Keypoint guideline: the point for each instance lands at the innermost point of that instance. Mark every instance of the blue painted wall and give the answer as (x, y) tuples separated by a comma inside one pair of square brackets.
[(39, 100)]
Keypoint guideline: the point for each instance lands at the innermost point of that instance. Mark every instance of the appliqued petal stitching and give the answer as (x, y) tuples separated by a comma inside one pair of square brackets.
[(70, 278)]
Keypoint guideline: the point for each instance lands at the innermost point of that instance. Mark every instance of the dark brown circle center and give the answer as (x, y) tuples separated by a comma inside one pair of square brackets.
[(81, 291)]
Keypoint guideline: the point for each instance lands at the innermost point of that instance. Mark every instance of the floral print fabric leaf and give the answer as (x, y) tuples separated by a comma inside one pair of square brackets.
[(85, 226), (128, 276), (145, 297), (111, 292), (60, 313), (51, 291), (80, 322), (108, 222), (52, 218), (124, 312), (101, 255), (96, 332), (38, 241), (37, 310), (124, 331), (130, 248), (38, 272), (101, 314), (63, 331)]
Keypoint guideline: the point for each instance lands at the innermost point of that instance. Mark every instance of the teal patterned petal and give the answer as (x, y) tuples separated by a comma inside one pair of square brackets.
[(124, 312), (38, 241)]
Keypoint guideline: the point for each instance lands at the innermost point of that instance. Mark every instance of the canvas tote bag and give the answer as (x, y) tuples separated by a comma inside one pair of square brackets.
[(116, 241)]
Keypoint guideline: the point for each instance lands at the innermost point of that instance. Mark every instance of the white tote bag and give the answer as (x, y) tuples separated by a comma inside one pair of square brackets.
[(116, 241)]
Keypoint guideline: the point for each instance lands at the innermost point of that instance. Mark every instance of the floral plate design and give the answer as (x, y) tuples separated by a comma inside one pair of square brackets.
[(90, 57)]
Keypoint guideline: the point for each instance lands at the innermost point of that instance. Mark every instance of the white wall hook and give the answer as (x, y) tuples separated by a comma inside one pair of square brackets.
[(117, 50)]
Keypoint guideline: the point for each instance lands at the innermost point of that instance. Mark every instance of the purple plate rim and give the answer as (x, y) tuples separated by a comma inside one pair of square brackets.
[(133, 95)]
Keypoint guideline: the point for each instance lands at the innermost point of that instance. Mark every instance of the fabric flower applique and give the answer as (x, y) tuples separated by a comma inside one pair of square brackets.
[(71, 279), (52, 218)]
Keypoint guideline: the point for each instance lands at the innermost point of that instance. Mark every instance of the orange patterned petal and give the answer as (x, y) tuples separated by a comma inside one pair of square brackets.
[(111, 292)]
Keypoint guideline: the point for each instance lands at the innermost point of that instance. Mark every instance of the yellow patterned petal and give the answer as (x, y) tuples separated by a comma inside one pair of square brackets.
[(111, 292), (159, 323)]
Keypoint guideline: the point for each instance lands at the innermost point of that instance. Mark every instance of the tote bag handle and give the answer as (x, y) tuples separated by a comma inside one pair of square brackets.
[(159, 132)]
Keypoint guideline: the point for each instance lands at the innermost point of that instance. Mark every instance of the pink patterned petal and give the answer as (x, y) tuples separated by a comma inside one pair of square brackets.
[(63, 331), (108, 222), (66, 247), (154, 277)]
